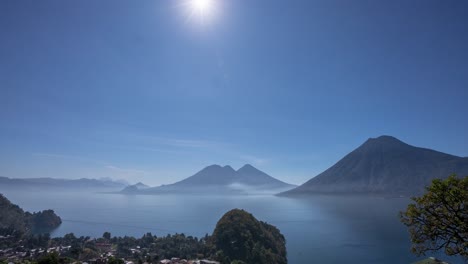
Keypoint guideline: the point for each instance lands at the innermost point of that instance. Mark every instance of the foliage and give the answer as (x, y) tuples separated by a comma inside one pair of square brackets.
[(113, 260), (177, 245), (239, 237), (45, 220), (36, 240), (439, 218), (107, 235), (51, 258), (14, 221), (238, 262), (12, 217)]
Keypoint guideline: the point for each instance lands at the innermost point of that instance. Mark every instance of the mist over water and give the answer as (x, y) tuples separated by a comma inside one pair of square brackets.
[(318, 229)]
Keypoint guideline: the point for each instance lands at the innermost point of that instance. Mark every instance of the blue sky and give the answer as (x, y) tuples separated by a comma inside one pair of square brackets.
[(138, 90)]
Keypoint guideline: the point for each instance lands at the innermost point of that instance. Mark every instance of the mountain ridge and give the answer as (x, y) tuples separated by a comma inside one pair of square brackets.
[(59, 183), (384, 165), (222, 179)]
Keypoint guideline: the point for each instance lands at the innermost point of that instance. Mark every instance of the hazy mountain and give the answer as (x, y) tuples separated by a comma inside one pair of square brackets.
[(218, 179), (250, 175), (384, 165), (211, 175), (135, 188), (53, 183), (109, 179)]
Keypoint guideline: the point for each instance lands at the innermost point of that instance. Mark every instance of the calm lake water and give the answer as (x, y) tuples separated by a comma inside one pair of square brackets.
[(318, 229)]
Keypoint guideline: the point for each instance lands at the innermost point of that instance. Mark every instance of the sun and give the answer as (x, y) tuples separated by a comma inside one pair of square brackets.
[(201, 10), (202, 7)]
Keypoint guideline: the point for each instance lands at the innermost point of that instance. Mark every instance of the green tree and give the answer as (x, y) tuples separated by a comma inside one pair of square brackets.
[(51, 258), (113, 260), (106, 235), (439, 218), (88, 253)]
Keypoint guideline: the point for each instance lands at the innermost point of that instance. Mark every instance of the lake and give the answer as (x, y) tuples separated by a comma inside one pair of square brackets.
[(318, 229)]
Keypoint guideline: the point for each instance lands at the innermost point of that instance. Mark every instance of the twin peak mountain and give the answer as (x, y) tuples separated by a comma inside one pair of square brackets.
[(219, 179), (381, 165)]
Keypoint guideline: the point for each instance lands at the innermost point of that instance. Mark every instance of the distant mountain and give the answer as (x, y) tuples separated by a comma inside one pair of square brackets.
[(384, 165), (53, 183), (108, 179), (217, 179), (211, 175), (135, 188)]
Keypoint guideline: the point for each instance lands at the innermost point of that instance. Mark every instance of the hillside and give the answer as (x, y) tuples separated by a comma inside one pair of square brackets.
[(384, 165), (239, 236), (13, 218)]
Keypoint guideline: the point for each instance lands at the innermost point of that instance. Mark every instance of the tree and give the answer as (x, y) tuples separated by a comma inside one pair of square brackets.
[(88, 253), (439, 218), (106, 235), (113, 260), (51, 258)]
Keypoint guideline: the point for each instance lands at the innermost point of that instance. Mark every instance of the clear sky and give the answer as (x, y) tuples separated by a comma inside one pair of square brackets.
[(141, 90)]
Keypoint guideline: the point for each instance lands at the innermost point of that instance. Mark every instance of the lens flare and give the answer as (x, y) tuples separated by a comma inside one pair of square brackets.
[(202, 7), (202, 11)]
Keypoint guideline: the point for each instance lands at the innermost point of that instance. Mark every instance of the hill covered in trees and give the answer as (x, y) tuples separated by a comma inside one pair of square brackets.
[(14, 220), (240, 238)]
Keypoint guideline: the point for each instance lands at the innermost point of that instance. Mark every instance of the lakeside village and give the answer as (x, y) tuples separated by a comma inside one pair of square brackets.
[(96, 251), (25, 238)]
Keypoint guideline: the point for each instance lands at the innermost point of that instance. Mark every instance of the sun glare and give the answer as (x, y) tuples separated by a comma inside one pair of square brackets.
[(201, 10), (202, 7)]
